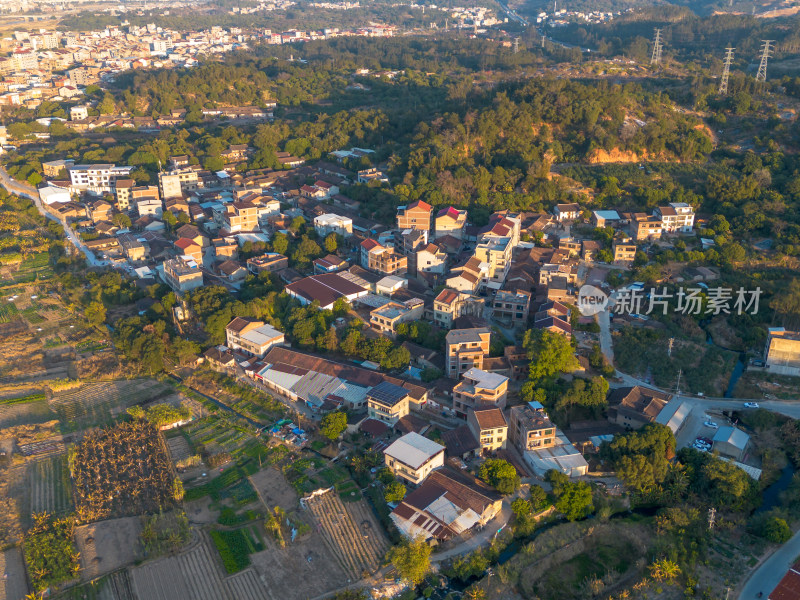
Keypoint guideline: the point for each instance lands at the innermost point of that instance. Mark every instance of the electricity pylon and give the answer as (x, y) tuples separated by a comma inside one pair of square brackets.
[(655, 59), (765, 54), (726, 71)]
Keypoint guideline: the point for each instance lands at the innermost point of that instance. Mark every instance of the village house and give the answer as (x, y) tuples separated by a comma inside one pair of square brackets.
[(416, 215), (388, 402), (413, 457), (782, 351), (182, 275), (479, 388), (567, 212), (386, 318), (512, 307), (489, 427), (382, 259), (466, 349), (531, 428), (677, 217), (446, 505), (252, 336), (270, 262), (450, 221), (634, 407), (451, 304)]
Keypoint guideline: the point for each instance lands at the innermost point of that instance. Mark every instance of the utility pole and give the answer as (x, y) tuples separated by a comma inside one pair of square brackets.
[(669, 349), (516, 45), (655, 59), (678, 384), (765, 54), (542, 41), (726, 70), (712, 515)]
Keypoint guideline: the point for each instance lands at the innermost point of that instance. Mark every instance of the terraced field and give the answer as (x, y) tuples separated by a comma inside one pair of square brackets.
[(51, 489), (97, 404), (351, 532), (194, 574)]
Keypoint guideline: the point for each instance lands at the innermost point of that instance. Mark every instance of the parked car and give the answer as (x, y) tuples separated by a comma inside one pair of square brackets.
[(711, 424), (751, 404)]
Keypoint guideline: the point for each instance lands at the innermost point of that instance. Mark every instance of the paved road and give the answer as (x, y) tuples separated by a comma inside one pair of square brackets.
[(769, 573), (28, 191), (606, 343)]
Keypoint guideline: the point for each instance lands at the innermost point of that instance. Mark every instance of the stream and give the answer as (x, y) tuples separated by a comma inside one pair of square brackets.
[(738, 369)]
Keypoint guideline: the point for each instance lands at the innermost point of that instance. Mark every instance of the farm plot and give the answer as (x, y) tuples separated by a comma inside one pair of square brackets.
[(351, 532), (122, 471), (194, 574), (14, 586), (97, 404), (108, 545), (30, 409), (51, 490)]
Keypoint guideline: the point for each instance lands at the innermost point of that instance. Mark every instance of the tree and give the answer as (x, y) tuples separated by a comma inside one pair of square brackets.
[(575, 501), (500, 474), (331, 242), (550, 353), (776, 530), (538, 497), (95, 313), (280, 243), (333, 424), (395, 492), (121, 220), (521, 508), (411, 559)]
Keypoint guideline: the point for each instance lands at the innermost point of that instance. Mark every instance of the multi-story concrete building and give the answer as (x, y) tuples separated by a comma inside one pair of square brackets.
[(386, 318), (388, 402), (416, 215), (238, 216), (512, 307), (479, 388), (97, 178), (489, 427), (271, 262), (174, 183), (331, 223), (381, 259), (182, 275), (451, 304), (450, 221), (677, 217), (782, 352), (624, 252), (252, 336), (466, 349), (496, 254), (413, 457), (531, 429)]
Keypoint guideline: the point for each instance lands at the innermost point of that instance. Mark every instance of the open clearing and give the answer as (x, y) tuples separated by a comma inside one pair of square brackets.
[(351, 532), (108, 545), (196, 574)]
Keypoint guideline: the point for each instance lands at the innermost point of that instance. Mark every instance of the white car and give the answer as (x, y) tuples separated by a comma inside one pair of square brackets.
[(751, 404), (711, 424)]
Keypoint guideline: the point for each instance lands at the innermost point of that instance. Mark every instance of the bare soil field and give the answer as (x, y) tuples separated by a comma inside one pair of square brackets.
[(108, 545), (15, 587), (274, 490), (351, 532), (302, 570), (195, 574)]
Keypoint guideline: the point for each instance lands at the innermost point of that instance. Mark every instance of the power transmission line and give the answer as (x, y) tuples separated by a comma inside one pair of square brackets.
[(765, 54), (516, 45), (726, 70), (655, 59)]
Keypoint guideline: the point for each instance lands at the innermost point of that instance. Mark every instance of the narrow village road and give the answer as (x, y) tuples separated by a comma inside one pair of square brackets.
[(26, 190), (771, 571)]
